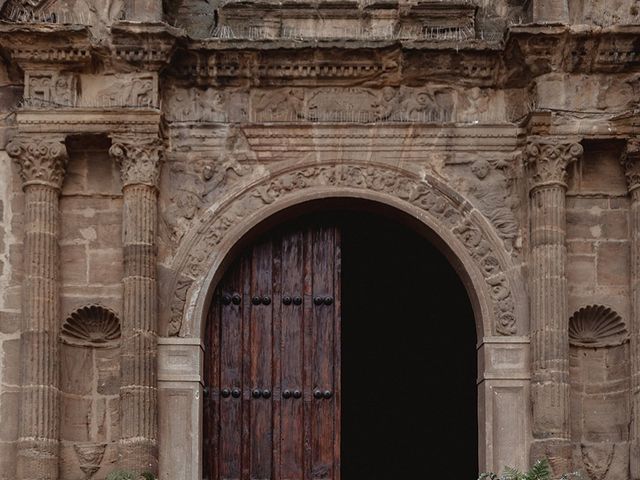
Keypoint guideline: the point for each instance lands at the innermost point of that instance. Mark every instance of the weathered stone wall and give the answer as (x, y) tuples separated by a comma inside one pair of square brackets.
[(599, 275)]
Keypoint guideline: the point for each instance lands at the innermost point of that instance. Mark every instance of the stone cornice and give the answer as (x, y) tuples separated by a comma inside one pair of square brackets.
[(47, 46), (631, 164), (139, 158), (547, 158), (42, 159), (149, 45)]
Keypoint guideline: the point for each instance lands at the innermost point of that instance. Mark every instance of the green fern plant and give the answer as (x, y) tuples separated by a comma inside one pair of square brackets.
[(541, 470)]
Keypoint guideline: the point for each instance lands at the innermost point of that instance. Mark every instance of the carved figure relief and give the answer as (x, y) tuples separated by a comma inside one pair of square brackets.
[(490, 189), (406, 187), (198, 180)]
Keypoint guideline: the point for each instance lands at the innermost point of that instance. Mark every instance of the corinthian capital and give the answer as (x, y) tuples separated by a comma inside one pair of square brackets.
[(139, 159), (42, 159), (631, 164), (547, 159)]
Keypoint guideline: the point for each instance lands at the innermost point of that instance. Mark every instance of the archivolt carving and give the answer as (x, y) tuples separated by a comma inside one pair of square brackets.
[(447, 210)]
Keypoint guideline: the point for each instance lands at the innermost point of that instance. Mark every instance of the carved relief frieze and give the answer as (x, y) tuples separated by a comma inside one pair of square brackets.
[(447, 211), (431, 104), (119, 90), (49, 89)]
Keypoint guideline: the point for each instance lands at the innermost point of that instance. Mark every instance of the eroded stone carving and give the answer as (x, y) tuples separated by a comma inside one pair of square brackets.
[(195, 105), (596, 326), (119, 90), (90, 456), (631, 164), (139, 158), (447, 211), (47, 89), (199, 179), (93, 325), (490, 190), (41, 159)]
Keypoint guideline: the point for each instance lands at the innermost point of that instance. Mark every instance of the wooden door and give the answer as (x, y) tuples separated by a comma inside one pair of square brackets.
[(272, 365)]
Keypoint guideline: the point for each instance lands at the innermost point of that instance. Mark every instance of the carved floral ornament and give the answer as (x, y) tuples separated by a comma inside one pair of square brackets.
[(631, 164), (41, 159), (449, 211), (547, 159), (139, 159)]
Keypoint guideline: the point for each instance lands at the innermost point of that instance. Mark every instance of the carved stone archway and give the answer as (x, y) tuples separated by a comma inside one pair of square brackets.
[(493, 281), (476, 250)]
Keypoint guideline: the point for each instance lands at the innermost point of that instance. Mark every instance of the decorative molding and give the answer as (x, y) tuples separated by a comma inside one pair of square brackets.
[(451, 212), (139, 158), (41, 159), (597, 326), (547, 159), (91, 326)]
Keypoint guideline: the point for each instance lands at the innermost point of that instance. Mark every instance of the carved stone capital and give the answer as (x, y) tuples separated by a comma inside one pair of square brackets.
[(42, 159), (631, 164), (547, 159), (139, 159)]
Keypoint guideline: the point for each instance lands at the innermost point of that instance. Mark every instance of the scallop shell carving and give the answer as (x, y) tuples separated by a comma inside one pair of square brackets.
[(93, 325), (596, 326)]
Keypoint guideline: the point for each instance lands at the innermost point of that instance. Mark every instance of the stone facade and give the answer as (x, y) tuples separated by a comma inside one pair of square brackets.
[(140, 141)]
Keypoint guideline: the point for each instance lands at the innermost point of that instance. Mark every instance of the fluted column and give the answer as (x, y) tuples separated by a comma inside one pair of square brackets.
[(42, 161), (139, 160), (631, 163), (546, 160)]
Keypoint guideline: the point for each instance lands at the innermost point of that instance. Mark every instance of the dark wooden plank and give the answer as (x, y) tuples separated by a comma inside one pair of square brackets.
[(323, 348), (276, 289), (292, 357), (245, 461), (337, 348), (209, 446), (261, 429), (307, 327), (230, 418)]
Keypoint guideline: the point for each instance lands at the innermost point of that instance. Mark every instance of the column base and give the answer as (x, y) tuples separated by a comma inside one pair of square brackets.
[(557, 451), (38, 459), (138, 456)]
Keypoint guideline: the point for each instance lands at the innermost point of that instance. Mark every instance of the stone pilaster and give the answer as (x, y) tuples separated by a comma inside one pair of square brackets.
[(42, 161), (546, 160), (631, 163), (139, 160)]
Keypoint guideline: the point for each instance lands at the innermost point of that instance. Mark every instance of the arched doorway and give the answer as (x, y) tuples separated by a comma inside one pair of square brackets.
[(388, 353)]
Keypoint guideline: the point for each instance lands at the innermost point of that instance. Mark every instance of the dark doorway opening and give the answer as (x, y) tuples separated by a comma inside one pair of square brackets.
[(409, 397)]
